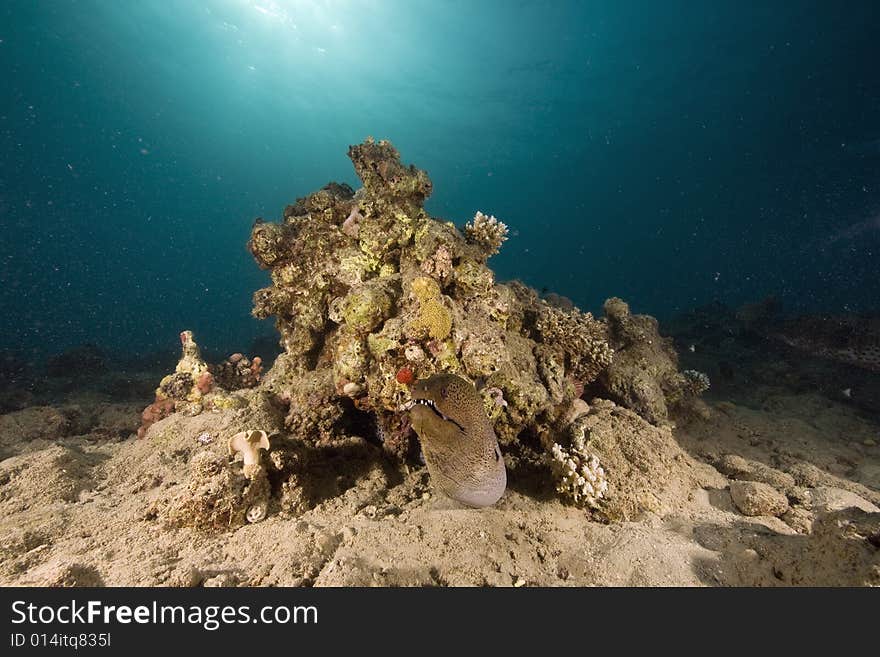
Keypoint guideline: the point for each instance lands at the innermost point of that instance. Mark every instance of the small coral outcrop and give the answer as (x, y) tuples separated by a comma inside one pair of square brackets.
[(195, 386), (643, 374), (366, 283), (369, 294)]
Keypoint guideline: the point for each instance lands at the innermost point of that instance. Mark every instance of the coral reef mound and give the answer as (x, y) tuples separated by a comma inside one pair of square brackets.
[(369, 293)]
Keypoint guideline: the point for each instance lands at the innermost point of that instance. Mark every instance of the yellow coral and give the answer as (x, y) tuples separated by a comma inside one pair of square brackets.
[(434, 319), (425, 288)]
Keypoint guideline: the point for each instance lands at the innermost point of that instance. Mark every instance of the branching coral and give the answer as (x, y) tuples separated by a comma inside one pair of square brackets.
[(486, 232), (579, 476), (577, 337), (697, 382)]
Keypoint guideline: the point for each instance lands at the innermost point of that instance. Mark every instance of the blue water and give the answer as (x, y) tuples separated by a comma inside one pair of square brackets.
[(672, 153)]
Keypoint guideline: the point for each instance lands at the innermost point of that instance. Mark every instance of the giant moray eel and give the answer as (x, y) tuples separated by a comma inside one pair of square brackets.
[(846, 339), (458, 440)]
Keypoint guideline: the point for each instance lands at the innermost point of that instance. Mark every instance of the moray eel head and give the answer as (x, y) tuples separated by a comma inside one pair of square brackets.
[(458, 441), (448, 397)]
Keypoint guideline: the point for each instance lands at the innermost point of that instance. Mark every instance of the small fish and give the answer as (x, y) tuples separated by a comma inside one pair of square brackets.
[(458, 441), (847, 392)]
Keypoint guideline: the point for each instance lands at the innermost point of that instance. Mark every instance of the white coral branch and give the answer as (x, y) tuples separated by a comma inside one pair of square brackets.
[(579, 475), (486, 232)]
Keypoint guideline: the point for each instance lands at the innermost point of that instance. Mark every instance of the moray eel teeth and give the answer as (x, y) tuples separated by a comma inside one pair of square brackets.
[(430, 404)]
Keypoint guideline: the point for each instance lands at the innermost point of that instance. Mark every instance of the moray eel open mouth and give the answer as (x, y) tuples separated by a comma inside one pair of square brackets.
[(430, 404)]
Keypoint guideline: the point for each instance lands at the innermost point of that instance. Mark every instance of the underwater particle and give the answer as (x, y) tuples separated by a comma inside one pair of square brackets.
[(458, 441), (249, 444), (405, 376)]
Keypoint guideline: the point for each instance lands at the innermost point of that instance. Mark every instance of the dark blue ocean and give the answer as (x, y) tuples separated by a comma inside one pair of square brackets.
[(671, 153)]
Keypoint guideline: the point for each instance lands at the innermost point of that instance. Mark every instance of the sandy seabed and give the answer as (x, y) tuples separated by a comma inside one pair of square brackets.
[(779, 486)]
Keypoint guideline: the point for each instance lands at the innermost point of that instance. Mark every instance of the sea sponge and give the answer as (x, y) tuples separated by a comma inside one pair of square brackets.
[(351, 225), (248, 444), (486, 232), (159, 409)]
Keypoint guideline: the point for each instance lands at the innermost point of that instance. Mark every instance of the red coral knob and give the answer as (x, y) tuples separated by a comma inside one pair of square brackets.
[(405, 376)]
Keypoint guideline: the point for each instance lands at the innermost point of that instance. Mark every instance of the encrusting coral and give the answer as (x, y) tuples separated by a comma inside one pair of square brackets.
[(370, 293)]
